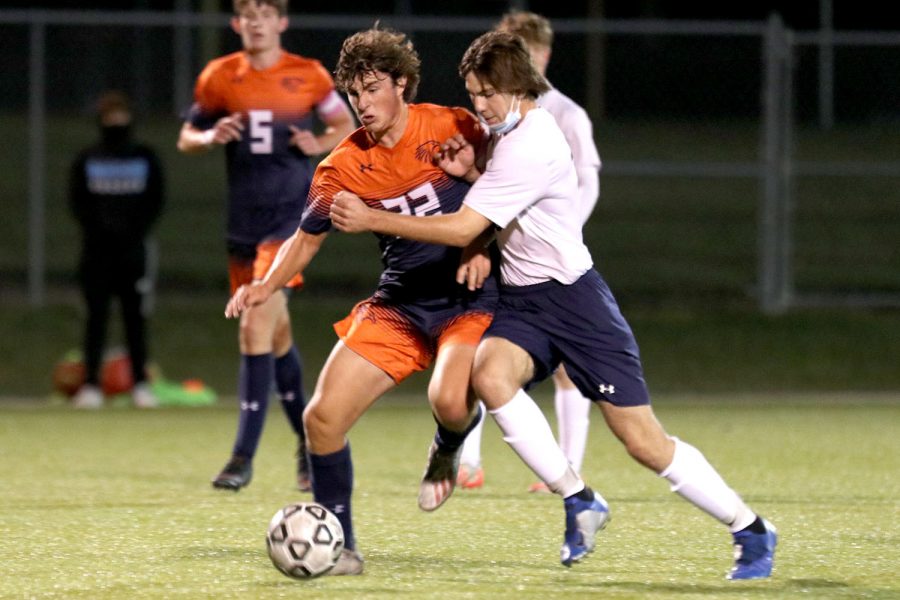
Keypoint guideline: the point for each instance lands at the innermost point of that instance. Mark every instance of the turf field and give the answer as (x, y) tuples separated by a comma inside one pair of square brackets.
[(117, 504)]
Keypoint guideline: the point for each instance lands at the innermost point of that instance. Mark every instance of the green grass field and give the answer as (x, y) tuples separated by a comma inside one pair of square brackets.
[(117, 504)]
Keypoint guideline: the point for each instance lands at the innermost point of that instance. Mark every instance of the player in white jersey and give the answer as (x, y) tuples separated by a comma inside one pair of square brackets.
[(554, 307), (572, 408)]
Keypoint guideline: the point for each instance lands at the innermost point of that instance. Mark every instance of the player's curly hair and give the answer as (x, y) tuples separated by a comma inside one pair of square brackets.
[(501, 59), (382, 50), (280, 5), (532, 27)]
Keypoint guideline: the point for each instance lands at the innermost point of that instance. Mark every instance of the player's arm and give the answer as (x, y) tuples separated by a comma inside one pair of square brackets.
[(293, 257), (588, 190), (193, 140), (475, 262), (351, 215), (459, 158), (579, 132), (339, 123)]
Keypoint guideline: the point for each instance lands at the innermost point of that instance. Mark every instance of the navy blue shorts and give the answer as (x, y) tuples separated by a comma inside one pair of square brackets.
[(579, 325)]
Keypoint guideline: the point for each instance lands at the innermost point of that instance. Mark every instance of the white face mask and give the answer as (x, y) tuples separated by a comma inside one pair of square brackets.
[(513, 116)]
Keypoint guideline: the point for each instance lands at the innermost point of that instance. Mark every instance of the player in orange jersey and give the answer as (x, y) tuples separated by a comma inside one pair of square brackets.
[(428, 307), (260, 104)]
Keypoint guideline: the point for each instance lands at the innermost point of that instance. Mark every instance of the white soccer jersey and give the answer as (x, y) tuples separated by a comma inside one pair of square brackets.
[(579, 132), (529, 189)]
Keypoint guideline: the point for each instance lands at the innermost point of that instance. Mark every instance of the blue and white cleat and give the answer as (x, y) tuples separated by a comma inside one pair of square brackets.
[(753, 553), (584, 518)]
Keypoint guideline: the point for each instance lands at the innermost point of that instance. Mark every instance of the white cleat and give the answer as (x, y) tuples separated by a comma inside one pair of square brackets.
[(350, 563), (88, 397), (143, 397)]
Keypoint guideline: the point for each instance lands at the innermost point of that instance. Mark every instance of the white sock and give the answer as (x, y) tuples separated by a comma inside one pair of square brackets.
[(573, 419), (471, 451), (692, 477), (526, 430)]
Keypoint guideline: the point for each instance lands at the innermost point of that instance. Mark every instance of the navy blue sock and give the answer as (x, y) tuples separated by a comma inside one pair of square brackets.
[(254, 385), (332, 482), (451, 440), (289, 383)]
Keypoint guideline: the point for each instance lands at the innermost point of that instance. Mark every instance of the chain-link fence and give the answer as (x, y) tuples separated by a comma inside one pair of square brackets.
[(721, 180)]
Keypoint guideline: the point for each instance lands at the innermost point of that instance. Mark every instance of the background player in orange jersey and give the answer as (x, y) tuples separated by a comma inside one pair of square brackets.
[(422, 311), (260, 104)]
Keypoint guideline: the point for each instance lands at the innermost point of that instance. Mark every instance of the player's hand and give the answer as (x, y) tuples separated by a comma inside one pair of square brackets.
[(227, 129), (456, 157), (474, 267), (246, 296), (306, 141), (349, 213)]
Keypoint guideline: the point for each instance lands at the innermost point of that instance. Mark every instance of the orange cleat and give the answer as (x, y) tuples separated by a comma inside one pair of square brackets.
[(469, 477), (539, 488)]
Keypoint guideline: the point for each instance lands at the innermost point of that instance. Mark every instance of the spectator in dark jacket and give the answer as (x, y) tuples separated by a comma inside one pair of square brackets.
[(116, 195)]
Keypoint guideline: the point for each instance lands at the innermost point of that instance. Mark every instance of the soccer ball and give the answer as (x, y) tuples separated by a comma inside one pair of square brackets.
[(304, 540)]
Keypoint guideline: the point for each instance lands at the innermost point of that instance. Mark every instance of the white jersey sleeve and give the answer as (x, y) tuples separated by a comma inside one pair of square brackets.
[(579, 132), (529, 189)]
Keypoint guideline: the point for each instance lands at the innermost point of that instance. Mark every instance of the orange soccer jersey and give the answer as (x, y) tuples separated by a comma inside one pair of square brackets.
[(400, 179), (418, 305), (268, 179)]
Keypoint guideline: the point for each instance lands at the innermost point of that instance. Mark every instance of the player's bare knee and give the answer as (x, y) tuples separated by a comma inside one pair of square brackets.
[(282, 336), (451, 411), (255, 332), (323, 430), (492, 387)]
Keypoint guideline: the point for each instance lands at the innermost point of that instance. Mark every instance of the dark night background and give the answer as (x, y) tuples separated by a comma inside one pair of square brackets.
[(797, 15)]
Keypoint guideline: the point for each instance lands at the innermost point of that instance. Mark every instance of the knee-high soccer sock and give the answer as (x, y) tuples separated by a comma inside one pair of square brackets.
[(526, 430), (254, 385), (289, 383), (332, 482), (573, 419), (451, 440), (471, 452), (692, 477)]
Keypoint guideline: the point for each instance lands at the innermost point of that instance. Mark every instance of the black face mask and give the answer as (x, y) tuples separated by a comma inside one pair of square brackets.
[(115, 135)]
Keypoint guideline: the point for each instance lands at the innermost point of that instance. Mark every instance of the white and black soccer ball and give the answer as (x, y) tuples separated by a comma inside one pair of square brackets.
[(304, 540)]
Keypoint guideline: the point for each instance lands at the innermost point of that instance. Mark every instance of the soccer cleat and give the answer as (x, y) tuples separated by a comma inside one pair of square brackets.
[(538, 487), (584, 518), (236, 474), (88, 397), (304, 483), (753, 553), (350, 562), (439, 478), (469, 477), (143, 397)]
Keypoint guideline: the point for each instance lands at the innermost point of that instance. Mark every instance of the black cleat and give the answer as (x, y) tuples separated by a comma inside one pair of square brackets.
[(304, 483), (236, 474)]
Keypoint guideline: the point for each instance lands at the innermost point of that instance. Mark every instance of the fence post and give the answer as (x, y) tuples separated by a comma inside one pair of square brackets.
[(774, 270), (37, 163)]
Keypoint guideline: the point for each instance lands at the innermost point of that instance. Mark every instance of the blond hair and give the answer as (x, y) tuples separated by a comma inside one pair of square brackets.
[(532, 27)]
